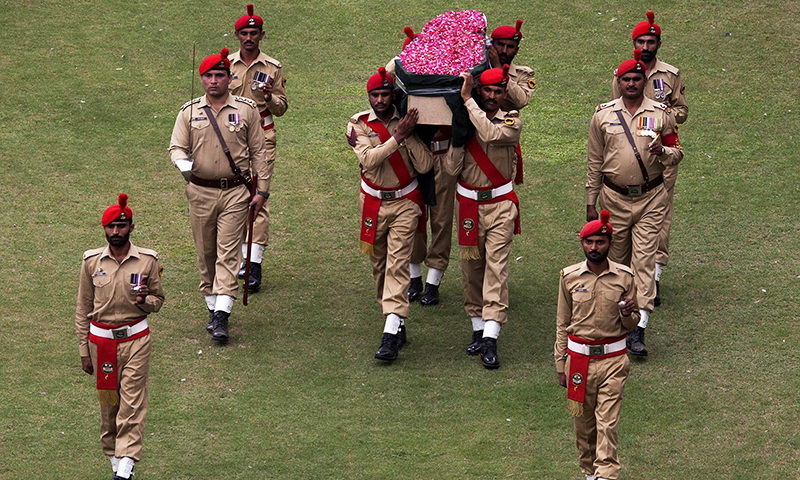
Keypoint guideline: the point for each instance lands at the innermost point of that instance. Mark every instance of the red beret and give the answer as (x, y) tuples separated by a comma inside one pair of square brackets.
[(249, 20), (495, 76), (647, 28), (216, 62), (410, 36), (597, 227), (633, 65), (507, 32), (380, 80), (120, 211)]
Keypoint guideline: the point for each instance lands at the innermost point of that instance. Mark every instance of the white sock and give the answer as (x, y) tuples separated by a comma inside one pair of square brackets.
[(415, 269), (211, 302), (659, 269), (492, 329), (434, 276), (256, 252), (477, 324), (645, 318), (125, 467), (392, 325), (224, 304), (114, 463), (589, 477)]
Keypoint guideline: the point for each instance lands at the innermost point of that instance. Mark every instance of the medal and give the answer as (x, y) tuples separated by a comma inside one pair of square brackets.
[(136, 281), (234, 120), (259, 81), (231, 129)]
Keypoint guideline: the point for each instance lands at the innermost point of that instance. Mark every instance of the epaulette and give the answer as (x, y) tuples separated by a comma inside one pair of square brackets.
[(626, 269), (572, 268), (357, 116), (512, 113), (661, 106), (196, 100), (524, 69), (93, 252), (245, 100), (147, 251), (671, 69), (273, 61), (604, 105), (615, 72)]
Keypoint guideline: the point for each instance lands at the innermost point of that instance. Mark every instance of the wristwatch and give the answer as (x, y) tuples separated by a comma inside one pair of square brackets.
[(263, 194)]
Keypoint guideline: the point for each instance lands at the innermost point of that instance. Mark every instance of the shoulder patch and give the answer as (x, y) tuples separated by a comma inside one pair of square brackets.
[(683, 88), (93, 252), (604, 105), (245, 100), (512, 113), (194, 100), (531, 83), (147, 251), (509, 121), (160, 270), (283, 82), (572, 268)]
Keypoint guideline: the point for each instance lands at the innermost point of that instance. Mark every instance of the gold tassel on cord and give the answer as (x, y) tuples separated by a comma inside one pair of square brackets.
[(367, 248), (574, 408), (470, 252), (108, 397)]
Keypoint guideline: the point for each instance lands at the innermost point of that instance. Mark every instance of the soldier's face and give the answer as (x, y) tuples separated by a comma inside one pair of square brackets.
[(380, 100), (118, 233), (506, 50), (649, 45), (215, 82), (596, 248), (249, 38), (631, 85), (492, 97)]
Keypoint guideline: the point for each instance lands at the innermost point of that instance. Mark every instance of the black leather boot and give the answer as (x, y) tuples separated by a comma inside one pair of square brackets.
[(474, 348), (489, 353), (431, 295), (220, 333), (414, 289), (388, 348)]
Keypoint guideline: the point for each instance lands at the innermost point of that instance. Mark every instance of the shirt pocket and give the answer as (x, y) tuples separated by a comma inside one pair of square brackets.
[(582, 303), (100, 281), (608, 303), (236, 82)]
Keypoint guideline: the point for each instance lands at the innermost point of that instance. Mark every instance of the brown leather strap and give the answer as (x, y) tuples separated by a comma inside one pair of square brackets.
[(624, 190), (236, 170), (221, 183), (624, 124)]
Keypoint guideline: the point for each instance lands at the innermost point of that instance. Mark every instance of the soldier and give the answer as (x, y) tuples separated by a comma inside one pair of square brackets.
[(488, 212), (521, 81), (663, 85), (390, 156), (631, 142), (217, 192), (259, 77), (119, 286), (596, 306)]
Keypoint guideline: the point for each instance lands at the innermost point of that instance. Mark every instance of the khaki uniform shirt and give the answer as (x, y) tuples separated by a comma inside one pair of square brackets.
[(673, 89), (245, 142), (243, 79), (521, 84), (373, 155), (498, 136), (588, 305), (610, 153), (104, 293)]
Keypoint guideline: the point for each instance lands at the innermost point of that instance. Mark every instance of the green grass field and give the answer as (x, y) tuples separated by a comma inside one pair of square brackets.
[(90, 94)]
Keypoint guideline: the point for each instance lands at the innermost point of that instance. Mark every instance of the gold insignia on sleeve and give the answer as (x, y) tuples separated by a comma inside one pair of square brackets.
[(683, 87), (532, 84), (160, 270), (509, 121), (675, 128), (284, 82)]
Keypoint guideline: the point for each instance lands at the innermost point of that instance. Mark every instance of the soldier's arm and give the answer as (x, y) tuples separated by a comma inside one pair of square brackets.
[(520, 90), (277, 104), (678, 100), (155, 296), (453, 161), (85, 305), (630, 322), (419, 154), (615, 93), (370, 157), (257, 149), (179, 148), (594, 150), (495, 133), (563, 319), (673, 152)]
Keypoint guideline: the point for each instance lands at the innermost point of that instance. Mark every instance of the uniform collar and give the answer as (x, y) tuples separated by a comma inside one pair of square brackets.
[(133, 252), (261, 58), (612, 269), (230, 102)]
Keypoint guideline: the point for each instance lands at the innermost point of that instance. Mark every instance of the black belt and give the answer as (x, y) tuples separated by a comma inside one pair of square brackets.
[(222, 183), (634, 190)]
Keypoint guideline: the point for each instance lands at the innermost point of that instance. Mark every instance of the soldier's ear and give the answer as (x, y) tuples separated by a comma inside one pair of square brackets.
[(132, 225)]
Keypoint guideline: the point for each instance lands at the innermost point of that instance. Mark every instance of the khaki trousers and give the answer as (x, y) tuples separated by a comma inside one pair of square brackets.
[(217, 217), (261, 223), (122, 426), (394, 235), (485, 280), (670, 177), (636, 223), (437, 254), (596, 431)]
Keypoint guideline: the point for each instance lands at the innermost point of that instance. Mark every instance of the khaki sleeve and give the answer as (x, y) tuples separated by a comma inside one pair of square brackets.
[(520, 91), (563, 319), (278, 104), (453, 161), (678, 101), (631, 321), (494, 133), (594, 149), (153, 301), (257, 149), (419, 154), (370, 157), (672, 154), (85, 304), (615, 93), (179, 147)]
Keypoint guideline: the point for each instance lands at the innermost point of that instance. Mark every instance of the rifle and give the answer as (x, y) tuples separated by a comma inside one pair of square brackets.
[(252, 218)]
